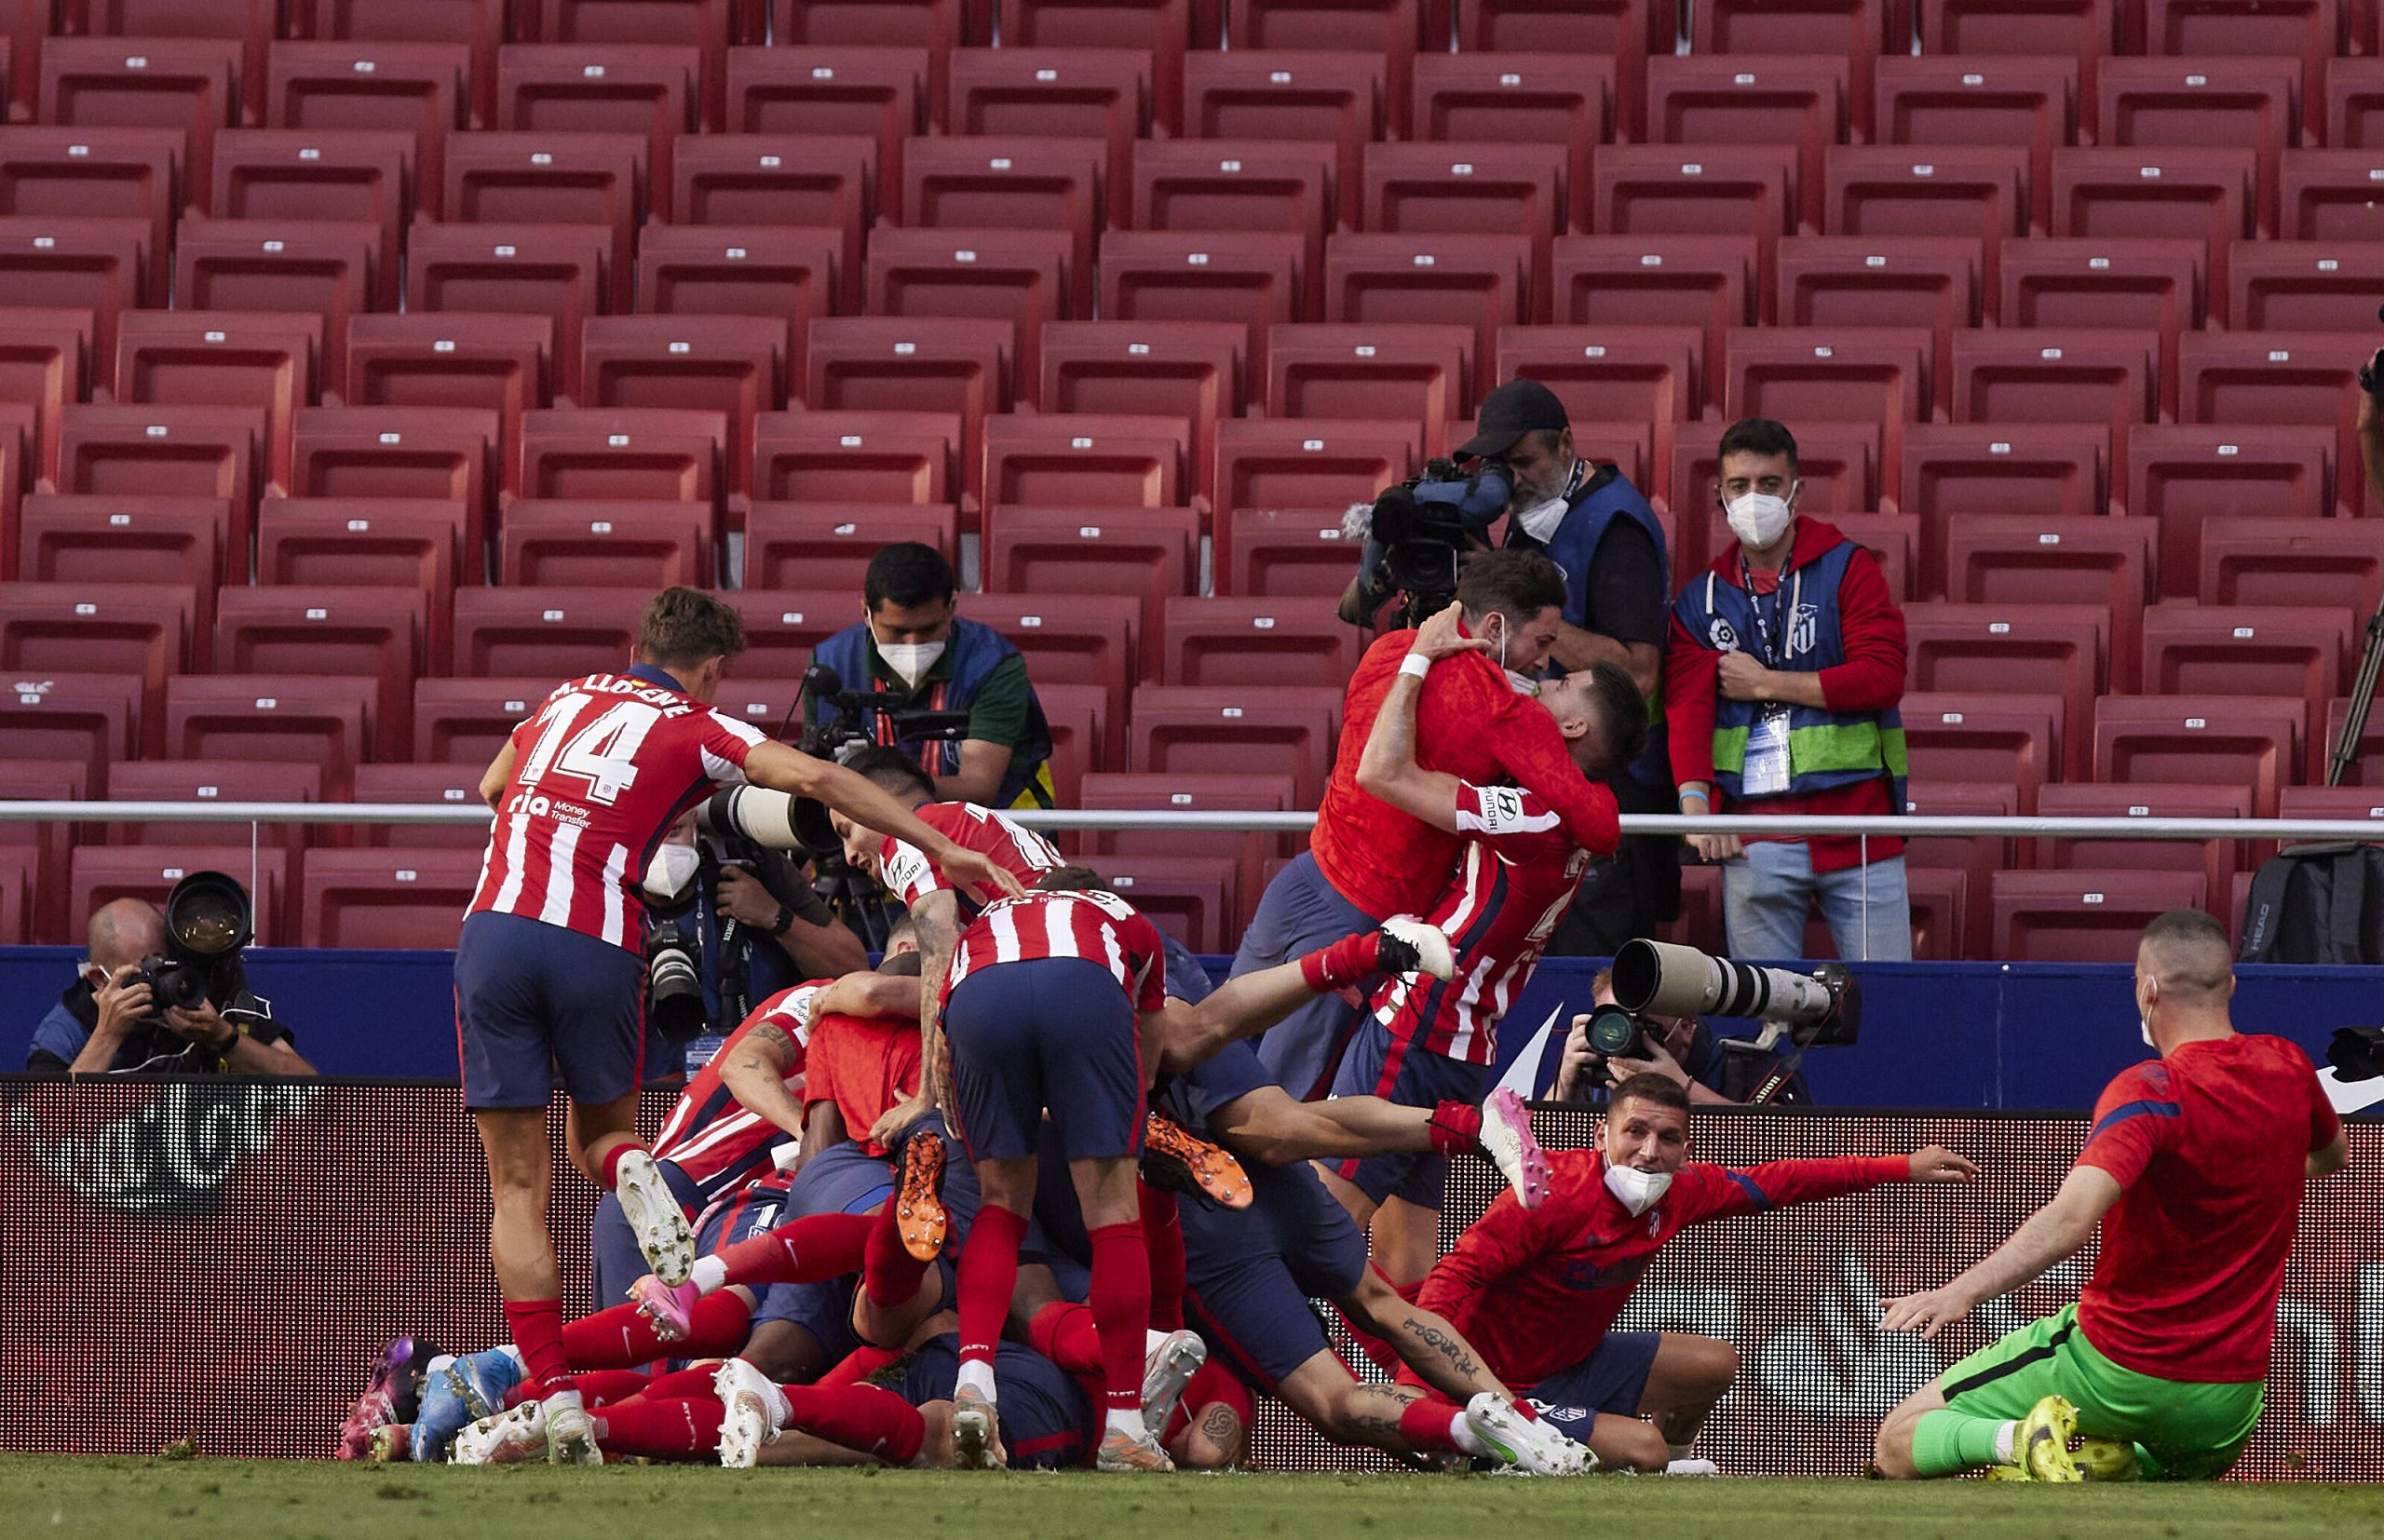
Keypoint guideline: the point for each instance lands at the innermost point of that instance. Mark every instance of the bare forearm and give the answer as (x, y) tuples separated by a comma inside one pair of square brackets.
[(1369, 1125), (761, 1089), (1435, 1350), (2047, 1236), (935, 936), (247, 1055), (98, 1052), (823, 951), (1241, 1007)]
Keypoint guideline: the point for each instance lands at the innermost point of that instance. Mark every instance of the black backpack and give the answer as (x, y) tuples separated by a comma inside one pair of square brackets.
[(2317, 903)]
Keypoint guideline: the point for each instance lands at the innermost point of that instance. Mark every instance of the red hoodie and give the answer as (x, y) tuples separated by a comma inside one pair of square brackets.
[(1870, 679)]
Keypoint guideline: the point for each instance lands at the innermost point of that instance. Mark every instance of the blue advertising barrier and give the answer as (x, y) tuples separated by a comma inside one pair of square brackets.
[(2036, 1037)]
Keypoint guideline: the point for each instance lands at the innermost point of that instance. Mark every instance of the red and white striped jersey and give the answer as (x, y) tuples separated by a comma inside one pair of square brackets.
[(1518, 877), (1101, 927), (600, 773), (911, 877), (708, 1134)]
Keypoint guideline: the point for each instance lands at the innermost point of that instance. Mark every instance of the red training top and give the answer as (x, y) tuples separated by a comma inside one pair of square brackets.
[(1470, 723), (1534, 1290), (2208, 1143), (864, 1064), (1870, 679)]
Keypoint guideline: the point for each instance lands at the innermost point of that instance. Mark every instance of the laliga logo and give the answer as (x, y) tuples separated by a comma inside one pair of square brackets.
[(171, 1155), (1724, 639)]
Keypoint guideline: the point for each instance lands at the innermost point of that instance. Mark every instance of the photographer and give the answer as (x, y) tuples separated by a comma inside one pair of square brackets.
[(108, 1022), (1713, 1071), (912, 643)]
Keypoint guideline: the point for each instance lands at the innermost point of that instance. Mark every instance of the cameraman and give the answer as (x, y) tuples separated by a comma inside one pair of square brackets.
[(105, 1024), (1683, 1050), (1618, 576), (913, 645)]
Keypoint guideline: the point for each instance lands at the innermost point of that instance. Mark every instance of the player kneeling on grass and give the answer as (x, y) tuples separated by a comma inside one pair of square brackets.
[(2194, 1166), (1538, 1289)]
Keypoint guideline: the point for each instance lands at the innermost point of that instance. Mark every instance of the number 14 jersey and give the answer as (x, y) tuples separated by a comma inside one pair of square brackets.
[(601, 772)]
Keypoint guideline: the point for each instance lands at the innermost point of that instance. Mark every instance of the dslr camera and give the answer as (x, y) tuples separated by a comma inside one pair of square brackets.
[(861, 716), (1820, 1010), (208, 920), (1415, 533)]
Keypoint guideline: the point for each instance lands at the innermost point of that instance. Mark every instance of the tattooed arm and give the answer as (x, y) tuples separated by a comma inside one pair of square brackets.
[(935, 919), (1433, 1347), (754, 1073)]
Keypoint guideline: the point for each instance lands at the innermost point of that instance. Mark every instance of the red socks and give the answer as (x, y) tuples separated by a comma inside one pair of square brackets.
[(860, 1364), (1163, 1238), (1351, 960), (1455, 1128), (1064, 1333), (536, 1326), (988, 1278), (890, 1275), (1121, 1310), (661, 1427), (608, 1173), (1424, 1427), (859, 1416), (811, 1249), (622, 1337)]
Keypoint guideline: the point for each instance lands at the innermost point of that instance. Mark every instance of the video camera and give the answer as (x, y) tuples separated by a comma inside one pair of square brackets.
[(851, 726), (208, 920), (1418, 530), (1820, 1010)]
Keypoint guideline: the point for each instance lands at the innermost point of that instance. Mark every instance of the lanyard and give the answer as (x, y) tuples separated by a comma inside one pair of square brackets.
[(1774, 653)]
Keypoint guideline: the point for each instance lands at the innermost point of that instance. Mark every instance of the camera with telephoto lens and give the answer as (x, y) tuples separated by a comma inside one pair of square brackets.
[(1418, 530), (208, 922), (2356, 1053), (674, 983), (1818, 1010)]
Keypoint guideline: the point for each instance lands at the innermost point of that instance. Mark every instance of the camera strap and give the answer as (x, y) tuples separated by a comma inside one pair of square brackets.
[(1773, 1084)]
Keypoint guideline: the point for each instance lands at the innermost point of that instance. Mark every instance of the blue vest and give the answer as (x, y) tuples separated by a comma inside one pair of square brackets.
[(1826, 747), (974, 652)]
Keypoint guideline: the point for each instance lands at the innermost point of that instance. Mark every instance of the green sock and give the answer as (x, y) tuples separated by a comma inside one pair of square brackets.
[(1946, 1443)]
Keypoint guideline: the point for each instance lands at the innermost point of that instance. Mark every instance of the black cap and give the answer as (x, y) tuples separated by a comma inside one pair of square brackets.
[(1508, 412)]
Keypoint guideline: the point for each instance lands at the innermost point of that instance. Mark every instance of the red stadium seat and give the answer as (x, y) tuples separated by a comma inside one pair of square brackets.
[(165, 452), (2351, 117), (1974, 862), (2282, 378), (142, 630), (100, 267), (104, 541), (334, 92), (1250, 279), (1060, 93), (1614, 373), (2351, 800), (307, 718), (2023, 558), (1624, 31), (1385, 28), (2031, 103), (1021, 278), (2084, 916), (1421, 373), (187, 85), (547, 178), (477, 25), (2084, 30), (2305, 30), (929, 29), (215, 780), (1250, 851), (216, 359), (1509, 98), (2239, 740), (830, 545), (2066, 374), (445, 454), (1084, 460), (1983, 191), (2058, 650), (307, 542), (647, 452), (1308, 465), (1479, 282), (905, 457), (1885, 280), (2329, 194), (1254, 642), (1081, 721), (1262, 93), (2184, 476), (24, 26), (496, 363), (2204, 194), (1190, 897), (869, 92), (88, 720), (103, 874), (2338, 563), (1151, 554), (467, 720), (1833, 374), (1070, 638), (2007, 740), (2371, 745), (2142, 285), (607, 545), (1894, 538), (1011, 183), (2206, 102), (318, 267), (782, 629), (730, 365), (572, 88), (2215, 860), (1155, 27), (437, 785), (42, 354), (540, 633), (1698, 190), (1799, 100), (1467, 189), (34, 855), (342, 629), (1711, 282), (379, 898), (887, 363), (78, 174), (1953, 472), (704, 25), (1234, 729), (820, 186), (2302, 285), (2247, 650), (783, 277), (1747, 30), (557, 271), (1253, 186), (1285, 554), (1187, 370)]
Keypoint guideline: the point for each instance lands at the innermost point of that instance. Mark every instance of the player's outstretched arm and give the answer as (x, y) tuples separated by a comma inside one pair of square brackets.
[(1387, 770), (2053, 1232), (867, 993), (1267, 1126), (1425, 1340), (783, 769)]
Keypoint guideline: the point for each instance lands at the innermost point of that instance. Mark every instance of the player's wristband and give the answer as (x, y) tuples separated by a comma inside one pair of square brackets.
[(785, 919), (1415, 665)]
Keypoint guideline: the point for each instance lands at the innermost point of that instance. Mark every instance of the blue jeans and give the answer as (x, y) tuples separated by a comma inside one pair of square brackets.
[(1767, 892)]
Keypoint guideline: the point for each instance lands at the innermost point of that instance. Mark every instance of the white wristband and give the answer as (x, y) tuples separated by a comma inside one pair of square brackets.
[(1416, 664)]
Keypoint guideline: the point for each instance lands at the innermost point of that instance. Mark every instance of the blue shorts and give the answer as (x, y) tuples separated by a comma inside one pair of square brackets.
[(1045, 1417), (1611, 1380), (1380, 1065), (1249, 1274), (842, 1179), (1299, 912), (1054, 1032), (748, 1213), (532, 1000), (615, 1256), (822, 1310)]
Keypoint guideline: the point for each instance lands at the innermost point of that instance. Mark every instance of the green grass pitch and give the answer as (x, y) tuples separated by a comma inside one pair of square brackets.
[(201, 1499)]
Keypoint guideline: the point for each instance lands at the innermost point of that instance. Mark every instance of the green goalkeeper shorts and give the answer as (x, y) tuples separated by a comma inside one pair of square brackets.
[(2193, 1431)]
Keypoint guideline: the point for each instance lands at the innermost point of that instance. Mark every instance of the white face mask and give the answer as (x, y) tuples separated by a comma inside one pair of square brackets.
[(910, 659), (1523, 684), (1759, 519), (672, 870), (1541, 520), (2144, 1022), (1634, 1189)]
